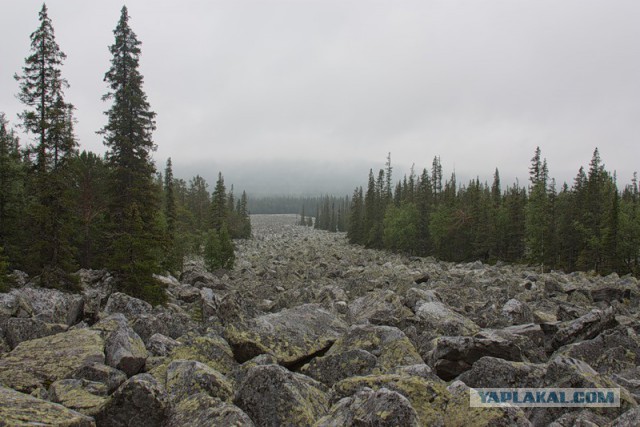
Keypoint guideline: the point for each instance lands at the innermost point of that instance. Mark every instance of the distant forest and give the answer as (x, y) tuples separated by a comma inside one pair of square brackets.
[(61, 209), (591, 225)]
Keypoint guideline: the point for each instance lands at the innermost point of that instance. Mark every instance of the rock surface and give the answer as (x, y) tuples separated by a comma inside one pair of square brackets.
[(308, 330)]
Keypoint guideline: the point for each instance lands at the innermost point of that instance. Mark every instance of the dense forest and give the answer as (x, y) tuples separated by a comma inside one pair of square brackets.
[(62, 209), (591, 225)]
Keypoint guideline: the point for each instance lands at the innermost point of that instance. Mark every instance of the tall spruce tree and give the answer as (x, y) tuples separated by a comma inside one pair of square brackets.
[(218, 204), (135, 234), (50, 119), (173, 253)]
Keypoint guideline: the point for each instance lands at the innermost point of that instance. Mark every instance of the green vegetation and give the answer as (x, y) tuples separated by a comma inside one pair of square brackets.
[(61, 209), (590, 226)]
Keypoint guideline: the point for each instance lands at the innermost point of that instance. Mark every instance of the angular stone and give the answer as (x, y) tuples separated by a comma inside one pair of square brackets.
[(188, 377), (112, 378), (273, 396), (124, 349), (140, 401), (517, 312), (291, 335), (42, 361), (382, 307), (493, 372), (439, 318), (129, 306), (372, 408), (83, 396), (18, 330), (19, 409), (160, 345), (50, 305), (584, 328), (203, 410), (332, 368)]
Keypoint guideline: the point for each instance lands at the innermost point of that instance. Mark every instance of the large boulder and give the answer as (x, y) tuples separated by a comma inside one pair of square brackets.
[(611, 352), (437, 318), (583, 328), (363, 349), (381, 306), (432, 402), (372, 408), (83, 396), (202, 410), (19, 409), (292, 335), (492, 372), (112, 378), (124, 349), (160, 345), (19, 329), (452, 356), (50, 305), (273, 396), (42, 361), (129, 306), (188, 377), (140, 401)]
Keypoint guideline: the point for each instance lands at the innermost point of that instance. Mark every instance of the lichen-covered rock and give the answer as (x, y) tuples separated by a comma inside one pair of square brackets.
[(42, 361), (332, 368), (362, 350), (19, 409), (291, 335), (433, 403), (203, 410), (273, 396), (50, 305), (8, 305), (583, 328), (210, 349), (491, 372), (19, 329), (187, 377), (584, 418), (611, 352), (372, 408), (160, 345), (172, 322), (628, 419), (124, 349), (83, 396), (438, 318), (129, 306), (517, 312), (112, 378), (382, 306), (452, 356), (140, 401)]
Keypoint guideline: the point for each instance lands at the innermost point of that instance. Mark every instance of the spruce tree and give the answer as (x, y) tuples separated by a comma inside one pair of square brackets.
[(50, 119), (173, 251), (218, 205), (135, 234)]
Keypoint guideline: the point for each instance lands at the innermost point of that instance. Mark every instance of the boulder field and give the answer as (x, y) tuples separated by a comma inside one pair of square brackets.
[(307, 330)]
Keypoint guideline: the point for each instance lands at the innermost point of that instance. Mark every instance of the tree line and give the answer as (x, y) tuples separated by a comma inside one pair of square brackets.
[(62, 209), (591, 225)]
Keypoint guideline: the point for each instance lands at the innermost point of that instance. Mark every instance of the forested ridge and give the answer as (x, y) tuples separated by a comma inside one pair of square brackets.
[(591, 225), (62, 209)]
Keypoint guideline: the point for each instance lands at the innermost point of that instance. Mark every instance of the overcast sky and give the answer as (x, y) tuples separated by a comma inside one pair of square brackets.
[(316, 92)]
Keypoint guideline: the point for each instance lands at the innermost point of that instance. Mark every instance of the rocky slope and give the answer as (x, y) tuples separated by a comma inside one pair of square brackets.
[(307, 330)]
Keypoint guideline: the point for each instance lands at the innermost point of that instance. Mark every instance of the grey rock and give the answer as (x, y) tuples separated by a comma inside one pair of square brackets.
[(83, 396), (112, 378), (188, 377), (517, 312), (130, 307), (18, 409), (140, 401), (586, 327), (274, 396), (18, 330), (124, 349), (203, 410), (291, 335), (160, 345), (50, 305), (372, 408), (493, 372)]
